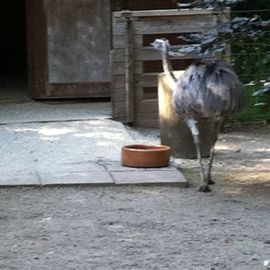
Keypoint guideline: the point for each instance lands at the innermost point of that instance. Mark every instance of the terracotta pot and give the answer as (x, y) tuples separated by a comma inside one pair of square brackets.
[(146, 156)]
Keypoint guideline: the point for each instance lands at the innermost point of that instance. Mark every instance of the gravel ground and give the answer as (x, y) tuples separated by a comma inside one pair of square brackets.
[(137, 227)]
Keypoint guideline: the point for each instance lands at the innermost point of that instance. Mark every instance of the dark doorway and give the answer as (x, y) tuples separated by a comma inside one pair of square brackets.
[(13, 53)]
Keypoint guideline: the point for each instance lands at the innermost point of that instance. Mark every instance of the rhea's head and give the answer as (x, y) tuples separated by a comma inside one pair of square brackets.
[(162, 45)]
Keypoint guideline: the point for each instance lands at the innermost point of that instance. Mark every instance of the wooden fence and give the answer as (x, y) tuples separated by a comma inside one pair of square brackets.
[(136, 65)]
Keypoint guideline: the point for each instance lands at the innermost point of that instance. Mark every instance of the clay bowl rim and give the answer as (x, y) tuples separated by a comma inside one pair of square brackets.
[(146, 147)]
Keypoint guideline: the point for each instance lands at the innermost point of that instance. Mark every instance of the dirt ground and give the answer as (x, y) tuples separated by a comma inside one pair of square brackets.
[(145, 227)]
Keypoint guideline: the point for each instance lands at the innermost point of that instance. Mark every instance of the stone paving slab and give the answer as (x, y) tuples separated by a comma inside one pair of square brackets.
[(69, 152), (113, 174), (43, 112), (123, 175), (19, 178), (72, 178), (149, 177), (116, 166)]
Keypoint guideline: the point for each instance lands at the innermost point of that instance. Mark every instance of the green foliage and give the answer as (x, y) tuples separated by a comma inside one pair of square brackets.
[(251, 61), (254, 5), (251, 57), (252, 112)]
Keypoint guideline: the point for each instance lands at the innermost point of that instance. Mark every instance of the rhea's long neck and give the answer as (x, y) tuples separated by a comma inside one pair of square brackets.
[(167, 68)]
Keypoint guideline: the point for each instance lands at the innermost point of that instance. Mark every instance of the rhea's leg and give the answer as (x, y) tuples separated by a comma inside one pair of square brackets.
[(212, 153), (192, 124)]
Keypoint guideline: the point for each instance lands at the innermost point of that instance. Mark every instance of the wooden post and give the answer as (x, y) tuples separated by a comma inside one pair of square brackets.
[(173, 130), (129, 79)]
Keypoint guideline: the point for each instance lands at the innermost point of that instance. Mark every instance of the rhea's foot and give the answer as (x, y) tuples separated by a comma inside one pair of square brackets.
[(204, 188)]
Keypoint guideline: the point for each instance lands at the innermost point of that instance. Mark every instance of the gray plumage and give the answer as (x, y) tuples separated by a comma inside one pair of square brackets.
[(207, 89)]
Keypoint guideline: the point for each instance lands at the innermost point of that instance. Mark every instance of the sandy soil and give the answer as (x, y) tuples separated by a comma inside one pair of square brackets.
[(242, 162), (149, 227)]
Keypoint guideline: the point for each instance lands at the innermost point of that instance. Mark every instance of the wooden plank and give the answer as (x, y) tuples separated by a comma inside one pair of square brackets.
[(146, 80), (120, 118), (183, 26), (147, 106), (118, 68), (169, 12), (156, 66), (119, 95), (147, 116), (119, 110), (118, 55), (118, 82), (144, 54), (169, 25), (78, 90), (150, 93), (118, 88), (147, 120), (119, 41)]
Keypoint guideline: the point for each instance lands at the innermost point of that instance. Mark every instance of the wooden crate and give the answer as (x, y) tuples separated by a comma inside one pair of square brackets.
[(136, 65)]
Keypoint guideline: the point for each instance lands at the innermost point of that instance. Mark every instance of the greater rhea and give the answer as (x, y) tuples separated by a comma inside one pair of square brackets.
[(208, 89)]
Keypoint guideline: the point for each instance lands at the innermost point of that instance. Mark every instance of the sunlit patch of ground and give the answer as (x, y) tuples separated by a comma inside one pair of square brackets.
[(242, 162)]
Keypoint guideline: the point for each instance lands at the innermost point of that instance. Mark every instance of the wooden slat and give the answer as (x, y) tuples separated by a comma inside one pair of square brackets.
[(119, 95), (170, 12), (147, 116), (150, 93), (151, 79), (149, 120), (118, 88), (118, 68), (168, 25), (119, 110), (147, 106), (146, 80), (118, 82), (144, 54), (78, 90), (119, 41), (120, 118)]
